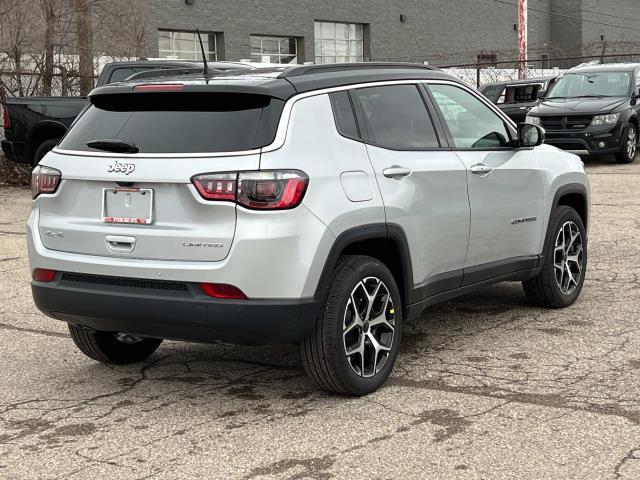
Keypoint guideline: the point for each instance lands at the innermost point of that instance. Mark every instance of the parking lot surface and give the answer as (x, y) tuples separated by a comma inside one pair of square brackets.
[(486, 388)]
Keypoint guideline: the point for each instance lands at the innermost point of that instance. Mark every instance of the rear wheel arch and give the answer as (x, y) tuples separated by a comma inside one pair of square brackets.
[(385, 242), (43, 133)]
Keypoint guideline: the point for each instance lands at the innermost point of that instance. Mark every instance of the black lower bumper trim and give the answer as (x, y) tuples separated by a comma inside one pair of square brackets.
[(178, 316)]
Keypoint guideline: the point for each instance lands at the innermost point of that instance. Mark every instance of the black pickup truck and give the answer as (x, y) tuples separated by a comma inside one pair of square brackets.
[(34, 125)]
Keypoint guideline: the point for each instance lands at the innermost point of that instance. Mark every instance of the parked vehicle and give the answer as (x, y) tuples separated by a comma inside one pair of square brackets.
[(517, 97), (327, 205), (593, 109), (34, 125)]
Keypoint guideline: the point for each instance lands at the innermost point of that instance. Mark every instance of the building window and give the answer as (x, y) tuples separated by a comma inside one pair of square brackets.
[(185, 45), (339, 42), (274, 49)]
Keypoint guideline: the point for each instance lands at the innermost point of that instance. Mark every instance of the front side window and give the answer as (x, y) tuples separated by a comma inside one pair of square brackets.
[(471, 123), (593, 84), (339, 42), (274, 49), (186, 45), (397, 117)]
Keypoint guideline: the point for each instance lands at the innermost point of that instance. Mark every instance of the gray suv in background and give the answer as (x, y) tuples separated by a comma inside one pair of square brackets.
[(322, 205)]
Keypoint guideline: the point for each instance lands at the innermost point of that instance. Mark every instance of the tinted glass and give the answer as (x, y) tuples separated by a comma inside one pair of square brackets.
[(179, 122), (472, 124), (120, 74), (597, 84), (343, 113), (397, 117), (493, 92)]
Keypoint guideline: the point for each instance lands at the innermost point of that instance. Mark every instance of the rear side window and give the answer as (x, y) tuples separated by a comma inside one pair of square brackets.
[(343, 114), (397, 117), (178, 122)]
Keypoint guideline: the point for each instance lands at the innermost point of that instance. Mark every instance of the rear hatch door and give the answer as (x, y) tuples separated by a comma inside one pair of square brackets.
[(144, 205)]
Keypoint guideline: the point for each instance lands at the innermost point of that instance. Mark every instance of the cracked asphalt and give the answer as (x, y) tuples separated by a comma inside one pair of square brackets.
[(486, 388)]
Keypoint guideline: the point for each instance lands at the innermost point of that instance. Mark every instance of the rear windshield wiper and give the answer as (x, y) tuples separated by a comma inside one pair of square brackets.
[(117, 146)]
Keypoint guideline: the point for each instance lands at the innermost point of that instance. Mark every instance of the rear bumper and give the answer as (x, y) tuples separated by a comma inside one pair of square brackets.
[(14, 151), (186, 314), (591, 141)]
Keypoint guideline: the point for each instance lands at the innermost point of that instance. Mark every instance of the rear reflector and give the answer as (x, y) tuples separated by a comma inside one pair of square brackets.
[(43, 275), (222, 290), (169, 87)]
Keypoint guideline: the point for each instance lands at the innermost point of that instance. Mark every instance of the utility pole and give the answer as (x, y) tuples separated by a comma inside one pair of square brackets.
[(522, 39), (84, 45)]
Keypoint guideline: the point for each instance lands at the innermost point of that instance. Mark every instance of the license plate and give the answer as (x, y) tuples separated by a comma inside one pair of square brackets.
[(127, 205)]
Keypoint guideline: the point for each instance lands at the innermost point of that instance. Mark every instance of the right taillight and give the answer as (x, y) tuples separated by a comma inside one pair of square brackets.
[(6, 124), (44, 180), (261, 190)]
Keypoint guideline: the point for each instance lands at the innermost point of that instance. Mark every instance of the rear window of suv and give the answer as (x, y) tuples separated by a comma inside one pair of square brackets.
[(178, 122)]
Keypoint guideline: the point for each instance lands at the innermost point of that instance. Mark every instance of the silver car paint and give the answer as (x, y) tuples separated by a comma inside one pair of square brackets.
[(281, 254)]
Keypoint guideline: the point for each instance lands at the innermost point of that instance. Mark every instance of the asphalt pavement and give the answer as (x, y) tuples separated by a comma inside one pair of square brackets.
[(486, 388)]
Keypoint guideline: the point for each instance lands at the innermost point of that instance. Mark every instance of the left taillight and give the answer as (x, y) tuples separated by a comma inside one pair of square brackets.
[(44, 180), (255, 190)]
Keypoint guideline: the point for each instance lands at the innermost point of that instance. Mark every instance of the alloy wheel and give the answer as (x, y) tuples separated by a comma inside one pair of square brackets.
[(568, 257), (368, 327), (632, 142)]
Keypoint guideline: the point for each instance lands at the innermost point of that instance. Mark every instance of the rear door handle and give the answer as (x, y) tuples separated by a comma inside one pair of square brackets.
[(481, 169), (396, 171)]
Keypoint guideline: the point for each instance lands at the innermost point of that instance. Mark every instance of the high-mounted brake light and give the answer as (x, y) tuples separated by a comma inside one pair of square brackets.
[(222, 290), (43, 275), (167, 87), (6, 123), (44, 180), (264, 190)]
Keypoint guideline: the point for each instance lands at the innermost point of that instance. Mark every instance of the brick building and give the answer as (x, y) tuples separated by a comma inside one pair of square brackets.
[(440, 32)]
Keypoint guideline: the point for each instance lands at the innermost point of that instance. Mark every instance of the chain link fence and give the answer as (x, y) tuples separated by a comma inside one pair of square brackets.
[(486, 72)]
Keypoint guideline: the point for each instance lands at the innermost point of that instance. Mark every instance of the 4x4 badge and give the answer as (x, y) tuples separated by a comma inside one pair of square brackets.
[(120, 167)]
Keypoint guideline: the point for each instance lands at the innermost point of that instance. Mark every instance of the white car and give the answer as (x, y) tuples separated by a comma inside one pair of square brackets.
[(326, 205)]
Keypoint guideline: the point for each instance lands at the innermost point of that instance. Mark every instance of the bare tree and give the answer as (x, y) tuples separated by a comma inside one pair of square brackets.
[(84, 44)]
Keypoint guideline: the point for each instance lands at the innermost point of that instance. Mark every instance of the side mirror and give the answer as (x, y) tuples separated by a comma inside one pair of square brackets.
[(530, 135), (541, 94)]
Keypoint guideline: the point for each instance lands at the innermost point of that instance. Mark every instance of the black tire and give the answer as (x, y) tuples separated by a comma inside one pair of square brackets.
[(106, 348), (545, 290), (44, 148), (629, 148), (324, 352)]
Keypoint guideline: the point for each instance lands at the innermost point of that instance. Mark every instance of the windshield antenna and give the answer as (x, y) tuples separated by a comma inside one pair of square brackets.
[(204, 57)]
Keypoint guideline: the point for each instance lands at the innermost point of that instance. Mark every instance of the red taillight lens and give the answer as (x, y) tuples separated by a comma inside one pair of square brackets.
[(43, 275), (217, 186), (222, 290), (6, 124), (44, 180), (167, 87), (278, 190), (266, 190)]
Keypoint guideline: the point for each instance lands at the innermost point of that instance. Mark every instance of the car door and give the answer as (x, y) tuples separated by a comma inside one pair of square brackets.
[(423, 186), (506, 189)]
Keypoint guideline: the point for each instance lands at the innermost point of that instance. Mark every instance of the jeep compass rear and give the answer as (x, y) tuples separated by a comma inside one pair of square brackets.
[(319, 205)]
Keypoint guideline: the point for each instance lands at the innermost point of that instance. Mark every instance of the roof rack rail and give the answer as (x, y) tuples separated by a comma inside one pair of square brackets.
[(337, 67)]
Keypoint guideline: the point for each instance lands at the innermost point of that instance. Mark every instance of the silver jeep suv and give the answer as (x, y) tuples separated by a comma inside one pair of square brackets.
[(320, 205)]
